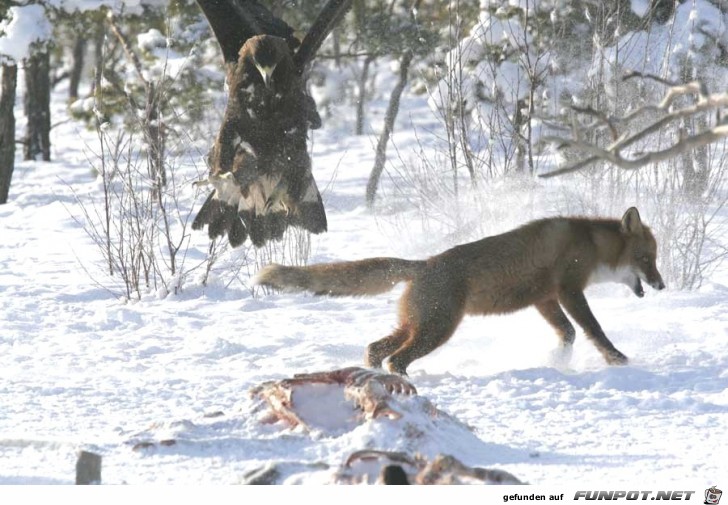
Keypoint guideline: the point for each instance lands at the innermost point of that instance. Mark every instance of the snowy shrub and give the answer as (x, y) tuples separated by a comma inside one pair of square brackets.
[(511, 81), (138, 221), (141, 229), (511, 68), (169, 48)]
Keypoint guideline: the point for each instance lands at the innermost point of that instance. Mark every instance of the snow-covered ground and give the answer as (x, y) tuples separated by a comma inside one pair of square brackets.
[(81, 369)]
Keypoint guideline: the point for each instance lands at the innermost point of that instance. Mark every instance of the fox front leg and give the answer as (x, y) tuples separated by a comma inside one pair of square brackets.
[(576, 306)]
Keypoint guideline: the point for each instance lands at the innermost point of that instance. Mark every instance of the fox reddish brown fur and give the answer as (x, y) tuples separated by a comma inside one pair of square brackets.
[(546, 263)]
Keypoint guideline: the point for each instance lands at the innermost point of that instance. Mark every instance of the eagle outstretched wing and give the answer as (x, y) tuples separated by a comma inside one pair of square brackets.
[(260, 168)]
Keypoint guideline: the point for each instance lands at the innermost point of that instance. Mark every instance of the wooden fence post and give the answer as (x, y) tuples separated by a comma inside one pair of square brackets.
[(88, 468)]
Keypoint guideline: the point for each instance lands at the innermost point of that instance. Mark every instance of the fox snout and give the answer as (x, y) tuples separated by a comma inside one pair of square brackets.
[(654, 279), (657, 284), (635, 279)]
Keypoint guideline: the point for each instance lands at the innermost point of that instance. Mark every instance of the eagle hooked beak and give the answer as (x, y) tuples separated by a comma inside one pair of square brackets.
[(266, 73)]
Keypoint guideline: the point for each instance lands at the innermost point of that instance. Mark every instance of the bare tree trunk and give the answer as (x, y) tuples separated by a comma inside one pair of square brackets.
[(519, 120), (37, 106), (529, 128), (390, 116), (7, 129), (79, 52), (697, 178), (336, 35), (361, 102), (151, 126), (155, 137), (98, 57)]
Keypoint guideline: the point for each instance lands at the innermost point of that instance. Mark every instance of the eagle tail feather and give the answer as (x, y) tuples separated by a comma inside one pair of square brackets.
[(265, 227), (262, 211), (237, 233), (311, 216), (205, 213), (310, 213)]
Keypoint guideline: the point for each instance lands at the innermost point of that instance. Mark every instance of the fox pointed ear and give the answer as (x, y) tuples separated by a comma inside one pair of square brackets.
[(631, 222)]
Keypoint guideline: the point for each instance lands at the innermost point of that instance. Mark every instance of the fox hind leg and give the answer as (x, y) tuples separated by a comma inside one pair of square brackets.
[(377, 351), (423, 341), (552, 313), (431, 319)]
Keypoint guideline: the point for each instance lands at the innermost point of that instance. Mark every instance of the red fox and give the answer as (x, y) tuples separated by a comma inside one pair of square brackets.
[(546, 263)]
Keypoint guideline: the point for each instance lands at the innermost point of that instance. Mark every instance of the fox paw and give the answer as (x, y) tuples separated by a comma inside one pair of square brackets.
[(616, 358), (561, 357)]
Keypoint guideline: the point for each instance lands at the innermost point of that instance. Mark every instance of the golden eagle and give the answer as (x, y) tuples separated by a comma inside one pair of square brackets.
[(260, 168)]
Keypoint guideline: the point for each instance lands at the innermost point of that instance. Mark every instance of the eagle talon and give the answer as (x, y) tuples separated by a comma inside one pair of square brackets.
[(271, 202), (212, 179), (276, 197)]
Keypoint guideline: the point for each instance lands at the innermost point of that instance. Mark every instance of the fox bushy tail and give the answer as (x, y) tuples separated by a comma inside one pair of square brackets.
[(351, 278)]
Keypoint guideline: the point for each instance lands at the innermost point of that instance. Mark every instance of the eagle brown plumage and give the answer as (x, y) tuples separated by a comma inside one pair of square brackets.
[(260, 168)]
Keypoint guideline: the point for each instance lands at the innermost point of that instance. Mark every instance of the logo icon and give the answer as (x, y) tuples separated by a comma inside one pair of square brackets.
[(712, 495)]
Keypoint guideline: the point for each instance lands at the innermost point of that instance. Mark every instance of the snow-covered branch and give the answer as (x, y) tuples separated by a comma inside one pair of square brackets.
[(24, 26), (681, 102)]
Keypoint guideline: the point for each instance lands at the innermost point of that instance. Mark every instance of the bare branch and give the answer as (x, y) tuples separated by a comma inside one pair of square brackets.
[(685, 144), (660, 117), (635, 74), (124, 40), (600, 116)]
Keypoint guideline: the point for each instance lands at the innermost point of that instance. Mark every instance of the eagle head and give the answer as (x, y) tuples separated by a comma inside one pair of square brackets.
[(266, 52)]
